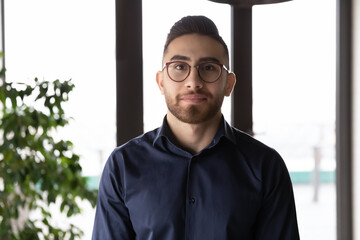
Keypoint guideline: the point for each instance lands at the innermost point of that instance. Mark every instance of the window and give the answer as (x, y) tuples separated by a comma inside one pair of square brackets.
[(64, 39), (294, 102)]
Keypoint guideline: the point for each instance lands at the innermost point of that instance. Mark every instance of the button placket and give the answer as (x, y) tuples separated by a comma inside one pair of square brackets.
[(191, 200), (189, 193)]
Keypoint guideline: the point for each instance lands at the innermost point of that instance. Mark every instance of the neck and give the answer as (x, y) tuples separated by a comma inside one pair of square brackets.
[(193, 137)]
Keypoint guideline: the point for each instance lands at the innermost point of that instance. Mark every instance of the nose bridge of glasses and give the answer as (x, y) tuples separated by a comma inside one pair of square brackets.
[(193, 80), (197, 72)]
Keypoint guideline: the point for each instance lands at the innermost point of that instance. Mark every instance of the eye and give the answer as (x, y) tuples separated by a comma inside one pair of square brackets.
[(179, 66), (208, 67)]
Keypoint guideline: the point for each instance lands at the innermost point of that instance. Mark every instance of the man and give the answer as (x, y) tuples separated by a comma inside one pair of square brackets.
[(195, 177)]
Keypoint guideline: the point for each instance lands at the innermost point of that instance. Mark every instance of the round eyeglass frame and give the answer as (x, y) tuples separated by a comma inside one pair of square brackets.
[(166, 65)]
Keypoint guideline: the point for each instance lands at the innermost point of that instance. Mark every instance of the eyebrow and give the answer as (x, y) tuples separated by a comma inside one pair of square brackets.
[(185, 58), (180, 57), (209, 59)]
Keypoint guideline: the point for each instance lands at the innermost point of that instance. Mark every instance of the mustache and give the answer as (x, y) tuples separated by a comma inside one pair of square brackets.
[(200, 92)]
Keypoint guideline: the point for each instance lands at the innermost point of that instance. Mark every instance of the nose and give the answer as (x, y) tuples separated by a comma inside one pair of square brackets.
[(193, 81)]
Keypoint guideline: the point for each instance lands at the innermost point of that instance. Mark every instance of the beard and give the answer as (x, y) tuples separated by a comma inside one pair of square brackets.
[(194, 114)]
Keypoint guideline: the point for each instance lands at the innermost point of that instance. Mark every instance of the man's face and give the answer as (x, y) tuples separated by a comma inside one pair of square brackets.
[(193, 100)]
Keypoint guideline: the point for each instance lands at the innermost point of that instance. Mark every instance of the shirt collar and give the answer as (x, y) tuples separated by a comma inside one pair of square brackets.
[(224, 131)]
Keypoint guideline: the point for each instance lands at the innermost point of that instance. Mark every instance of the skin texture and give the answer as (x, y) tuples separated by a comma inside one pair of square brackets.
[(194, 106)]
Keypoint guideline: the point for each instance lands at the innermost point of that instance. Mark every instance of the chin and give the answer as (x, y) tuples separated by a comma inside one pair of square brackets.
[(195, 115)]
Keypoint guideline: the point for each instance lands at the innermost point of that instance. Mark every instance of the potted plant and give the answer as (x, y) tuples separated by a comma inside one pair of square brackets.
[(36, 170)]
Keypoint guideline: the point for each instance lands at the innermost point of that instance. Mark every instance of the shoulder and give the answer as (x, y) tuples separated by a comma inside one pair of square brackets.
[(138, 146), (250, 145), (264, 160), (146, 139), (122, 156)]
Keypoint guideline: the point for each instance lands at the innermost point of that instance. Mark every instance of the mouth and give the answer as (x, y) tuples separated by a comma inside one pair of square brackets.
[(193, 98)]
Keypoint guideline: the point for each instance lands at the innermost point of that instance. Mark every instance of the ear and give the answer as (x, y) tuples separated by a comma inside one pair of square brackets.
[(230, 83), (160, 81)]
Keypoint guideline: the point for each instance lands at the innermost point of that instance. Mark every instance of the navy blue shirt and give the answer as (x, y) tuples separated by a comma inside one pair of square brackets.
[(235, 189)]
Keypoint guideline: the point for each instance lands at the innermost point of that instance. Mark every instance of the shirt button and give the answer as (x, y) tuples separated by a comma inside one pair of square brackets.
[(192, 200)]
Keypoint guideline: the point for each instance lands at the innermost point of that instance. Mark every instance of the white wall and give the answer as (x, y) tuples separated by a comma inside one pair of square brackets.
[(356, 116)]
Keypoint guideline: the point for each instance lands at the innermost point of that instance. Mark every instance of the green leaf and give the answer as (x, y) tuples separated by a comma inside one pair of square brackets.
[(30, 161)]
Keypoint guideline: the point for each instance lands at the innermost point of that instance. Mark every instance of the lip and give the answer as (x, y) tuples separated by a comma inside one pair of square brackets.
[(193, 98)]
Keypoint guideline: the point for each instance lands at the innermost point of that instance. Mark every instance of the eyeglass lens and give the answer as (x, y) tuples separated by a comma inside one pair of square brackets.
[(179, 71)]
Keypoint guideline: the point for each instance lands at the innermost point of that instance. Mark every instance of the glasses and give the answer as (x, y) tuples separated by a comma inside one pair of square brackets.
[(209, 72)]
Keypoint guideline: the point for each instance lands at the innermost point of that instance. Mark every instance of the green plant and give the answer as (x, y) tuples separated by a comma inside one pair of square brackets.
[(36, 170)]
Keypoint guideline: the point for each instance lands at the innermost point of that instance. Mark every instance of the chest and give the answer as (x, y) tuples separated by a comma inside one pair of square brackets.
[(180, 196)]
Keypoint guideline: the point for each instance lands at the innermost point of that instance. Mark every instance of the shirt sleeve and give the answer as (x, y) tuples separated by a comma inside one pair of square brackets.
[(277, 217), (112, 220)]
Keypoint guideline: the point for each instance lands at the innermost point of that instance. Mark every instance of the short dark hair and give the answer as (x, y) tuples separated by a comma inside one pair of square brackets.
[(195, 24)]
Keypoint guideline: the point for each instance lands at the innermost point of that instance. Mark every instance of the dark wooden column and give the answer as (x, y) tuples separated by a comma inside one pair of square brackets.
[(129, 70), (242, 115), (343, 121)]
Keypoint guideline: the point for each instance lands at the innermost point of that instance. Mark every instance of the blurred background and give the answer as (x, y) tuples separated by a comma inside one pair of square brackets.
[(294, 83)]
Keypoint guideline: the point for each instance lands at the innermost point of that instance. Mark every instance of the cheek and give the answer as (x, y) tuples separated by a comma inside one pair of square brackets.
[(164, 88), (167, 92), (219, 89), (170, 88)]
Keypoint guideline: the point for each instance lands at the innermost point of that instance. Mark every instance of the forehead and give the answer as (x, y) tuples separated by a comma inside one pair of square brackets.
[(195, 47)]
